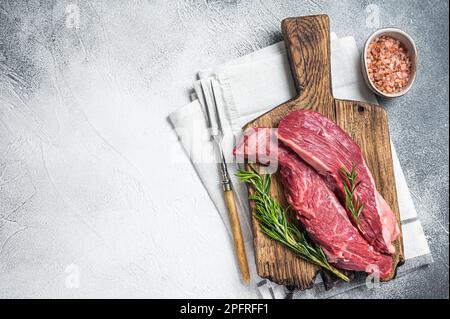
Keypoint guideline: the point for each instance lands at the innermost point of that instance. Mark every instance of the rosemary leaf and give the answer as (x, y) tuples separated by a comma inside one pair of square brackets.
[(352, 202), (275, 224)]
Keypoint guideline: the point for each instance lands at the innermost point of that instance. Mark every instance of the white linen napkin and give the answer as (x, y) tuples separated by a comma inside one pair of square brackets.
[(251, 85)]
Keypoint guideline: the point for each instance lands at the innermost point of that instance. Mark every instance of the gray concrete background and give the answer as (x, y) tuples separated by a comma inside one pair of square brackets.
[(88, 181)]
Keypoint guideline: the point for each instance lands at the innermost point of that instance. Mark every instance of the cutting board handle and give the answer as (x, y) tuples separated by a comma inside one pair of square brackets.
[(307, 42)]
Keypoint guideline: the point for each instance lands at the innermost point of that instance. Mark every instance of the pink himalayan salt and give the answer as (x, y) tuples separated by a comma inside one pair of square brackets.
[(388, 64)]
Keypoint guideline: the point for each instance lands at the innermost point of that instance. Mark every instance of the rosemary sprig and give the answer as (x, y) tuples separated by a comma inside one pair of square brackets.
[(352, 202), (275, 224)]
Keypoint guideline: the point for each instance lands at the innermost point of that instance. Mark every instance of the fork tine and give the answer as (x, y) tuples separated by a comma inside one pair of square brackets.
[(219, 122), (210, 108)]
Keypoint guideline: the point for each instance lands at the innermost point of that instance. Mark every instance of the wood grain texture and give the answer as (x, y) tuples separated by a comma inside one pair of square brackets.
[(308, 45), (368, 125), (238, 239)]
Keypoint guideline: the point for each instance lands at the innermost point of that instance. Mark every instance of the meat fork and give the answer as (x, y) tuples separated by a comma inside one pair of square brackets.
[(216, 130)]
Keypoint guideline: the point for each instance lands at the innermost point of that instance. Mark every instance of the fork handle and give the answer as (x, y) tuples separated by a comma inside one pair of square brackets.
[(238, 239)]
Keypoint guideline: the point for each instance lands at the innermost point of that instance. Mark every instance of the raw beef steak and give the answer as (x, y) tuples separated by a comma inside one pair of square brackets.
[(327, 148), (320, 212)]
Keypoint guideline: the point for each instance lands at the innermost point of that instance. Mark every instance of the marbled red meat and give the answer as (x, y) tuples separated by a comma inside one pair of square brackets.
[(319, 210), (327, 148)]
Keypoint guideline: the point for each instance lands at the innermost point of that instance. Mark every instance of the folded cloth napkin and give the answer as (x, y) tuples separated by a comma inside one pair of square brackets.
[(250, 86)]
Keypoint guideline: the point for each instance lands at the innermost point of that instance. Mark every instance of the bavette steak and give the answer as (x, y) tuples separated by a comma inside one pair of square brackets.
[(318, 209), (327, 148)]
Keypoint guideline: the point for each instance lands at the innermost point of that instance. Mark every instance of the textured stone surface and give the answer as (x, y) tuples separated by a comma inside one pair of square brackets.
[(93, 184)]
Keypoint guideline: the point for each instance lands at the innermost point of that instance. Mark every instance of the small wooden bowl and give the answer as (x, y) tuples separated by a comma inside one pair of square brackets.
[(409, 44)]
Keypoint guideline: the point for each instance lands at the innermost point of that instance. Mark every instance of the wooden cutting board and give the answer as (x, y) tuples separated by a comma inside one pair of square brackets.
[(307, 42)]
